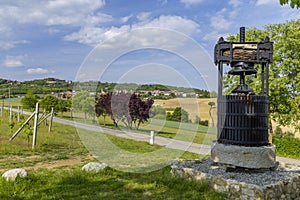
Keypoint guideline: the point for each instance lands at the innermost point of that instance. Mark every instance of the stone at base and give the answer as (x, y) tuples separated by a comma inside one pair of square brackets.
[(263, 157)]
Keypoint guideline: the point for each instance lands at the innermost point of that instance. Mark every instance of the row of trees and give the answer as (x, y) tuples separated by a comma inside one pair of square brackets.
[(47, 102), (130, 109)]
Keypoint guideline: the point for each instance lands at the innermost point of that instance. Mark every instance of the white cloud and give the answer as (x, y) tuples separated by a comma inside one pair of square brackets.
[(98, 18), (214, 36), (55, 12), (52, 31), (6, 45), (126, 18), (235, 3), (163, 2), (172, 22), (92, 35), (188, 3), (144, 16), (13, 61), (39, 71), (266, 2), (234, 13), (218, 21)]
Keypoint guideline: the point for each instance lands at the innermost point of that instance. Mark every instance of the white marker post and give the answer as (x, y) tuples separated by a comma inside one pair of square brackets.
[(18, 114), (151, 137), (10, 114)]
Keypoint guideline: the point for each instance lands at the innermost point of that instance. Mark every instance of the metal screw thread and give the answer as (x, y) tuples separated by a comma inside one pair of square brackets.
[(242, 34)]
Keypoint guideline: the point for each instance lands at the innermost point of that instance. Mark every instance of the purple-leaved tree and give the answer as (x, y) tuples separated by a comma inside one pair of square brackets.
[(130, 109)]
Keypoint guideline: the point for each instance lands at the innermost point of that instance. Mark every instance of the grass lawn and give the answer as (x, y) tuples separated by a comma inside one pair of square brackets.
[(171, 129), (71, 183), (48, 180)]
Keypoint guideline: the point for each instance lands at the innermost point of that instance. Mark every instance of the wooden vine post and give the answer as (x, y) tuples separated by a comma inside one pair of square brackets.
[(51, 120), (35, 114), (36, 118)]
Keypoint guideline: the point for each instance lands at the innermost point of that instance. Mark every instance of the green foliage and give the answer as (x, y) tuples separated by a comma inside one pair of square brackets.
[(11, 125), (204, 123), (84, 102), (287, 146), (48, 102), (292, 3), (29, 100), (158, 112), (211, 103), (59, 105), (201, 122), (179, 115), (213, 94)]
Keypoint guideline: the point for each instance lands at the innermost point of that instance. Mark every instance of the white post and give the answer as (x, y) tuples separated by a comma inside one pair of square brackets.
[(51, 120), (151, 137), (18, 113), (36, 117), (44, 113), (10, 114), (8, 97)]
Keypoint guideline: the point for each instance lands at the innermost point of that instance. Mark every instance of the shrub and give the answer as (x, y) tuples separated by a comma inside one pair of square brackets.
[(287, 146)]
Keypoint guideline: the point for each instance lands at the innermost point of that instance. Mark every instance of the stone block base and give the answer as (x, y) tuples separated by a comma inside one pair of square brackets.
[(282, 183), (263, 157)]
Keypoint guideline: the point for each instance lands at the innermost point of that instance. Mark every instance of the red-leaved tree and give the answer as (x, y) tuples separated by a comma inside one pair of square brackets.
[(130, 109)]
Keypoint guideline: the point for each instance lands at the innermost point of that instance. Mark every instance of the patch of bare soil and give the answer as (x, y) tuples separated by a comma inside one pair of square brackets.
[(76, 160)]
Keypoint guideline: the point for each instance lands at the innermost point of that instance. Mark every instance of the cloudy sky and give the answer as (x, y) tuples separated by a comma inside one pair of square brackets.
[(166, 41)]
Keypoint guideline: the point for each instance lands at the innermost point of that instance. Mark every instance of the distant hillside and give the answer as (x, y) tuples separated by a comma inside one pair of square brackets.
[(54, 85)]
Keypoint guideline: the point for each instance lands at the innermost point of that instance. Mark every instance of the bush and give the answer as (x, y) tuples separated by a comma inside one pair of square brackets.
[(204, 123), (287, 146), (178, 115)]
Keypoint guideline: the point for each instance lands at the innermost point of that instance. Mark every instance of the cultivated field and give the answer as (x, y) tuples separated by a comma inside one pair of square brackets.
[(195, 107)]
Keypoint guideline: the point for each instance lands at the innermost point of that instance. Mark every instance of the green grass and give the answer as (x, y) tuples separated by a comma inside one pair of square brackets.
[(170, 129), (69, 182), (72, 183)]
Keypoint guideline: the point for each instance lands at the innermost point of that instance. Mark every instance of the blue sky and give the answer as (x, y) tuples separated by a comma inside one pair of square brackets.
[(67, 38)]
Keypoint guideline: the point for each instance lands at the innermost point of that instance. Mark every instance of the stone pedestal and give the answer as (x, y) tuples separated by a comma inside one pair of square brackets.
[(263, 157), (282, 183)]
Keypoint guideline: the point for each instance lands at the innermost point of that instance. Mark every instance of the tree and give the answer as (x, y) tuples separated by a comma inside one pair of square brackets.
[(63, 105), (211, 104), (292, 3), (284, 76), (159, 111), (103, 106), (178, 114), (139, 109), (84, 102), (127, 108), (48, 102), (29, 100)]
